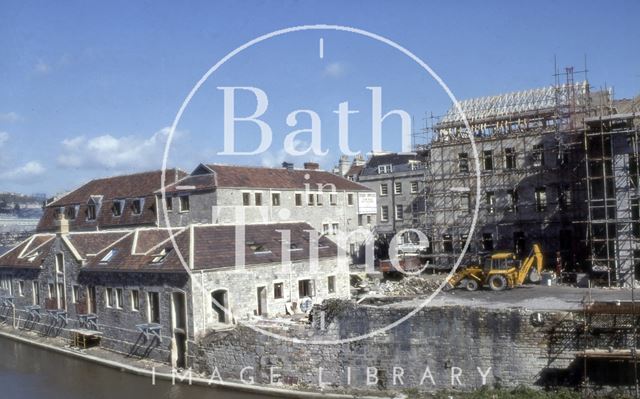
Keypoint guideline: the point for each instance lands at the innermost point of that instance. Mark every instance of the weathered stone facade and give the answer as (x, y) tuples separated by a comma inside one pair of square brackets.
[(458, 344)]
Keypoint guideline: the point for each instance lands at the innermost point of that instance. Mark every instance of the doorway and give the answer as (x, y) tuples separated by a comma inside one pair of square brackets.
[(179, 323), (91, 300), (220, 305), (262, 301)]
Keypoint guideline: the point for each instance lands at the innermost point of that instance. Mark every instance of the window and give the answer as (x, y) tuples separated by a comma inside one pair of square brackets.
[(246, 199), (325, 228), (350, 199), (162, 255), (331, 284), (184, 203), (399, 212), (116, 208), (135, 300), (59, 263), (298, 199), (62, 300), (278, 292), (509, 158), (51, 289), (397, 187), (305, 288), (319, 199), (109, 297), (360, 220), (72, 211), (75, 294), (20, 288), (36, 293), (463, 162), (487, 241), (169, 203), (119, 298), (108, 256), (415, 206), (541, 199), (368, 219), (384, 213), (512, 201), (414, 187), (538, 155), (91, 212), (447, 243), (382, 169), (488, 160), (334, 228), (153, 307), (257, 197), (5, 284), (275, 199), (311, 200), (465, 202), (333, 198), (491, 199), (136, 206), (564, 197), (384, 189)]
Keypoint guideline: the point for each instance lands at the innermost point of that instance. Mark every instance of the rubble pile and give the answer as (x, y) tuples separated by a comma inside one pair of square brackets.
[(409, 286)]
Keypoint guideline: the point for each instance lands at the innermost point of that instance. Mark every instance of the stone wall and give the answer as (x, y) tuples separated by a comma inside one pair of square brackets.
[(438, 348)]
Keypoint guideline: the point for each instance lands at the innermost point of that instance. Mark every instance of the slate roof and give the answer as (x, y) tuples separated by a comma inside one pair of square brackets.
[(107, 191), (229, 176)]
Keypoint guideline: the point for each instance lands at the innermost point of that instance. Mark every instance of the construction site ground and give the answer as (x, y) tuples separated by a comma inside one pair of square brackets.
[(529, 296)]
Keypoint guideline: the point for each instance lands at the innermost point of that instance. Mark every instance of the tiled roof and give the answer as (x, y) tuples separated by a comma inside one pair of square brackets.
[(215, 247), (257, 177), (151, 250), (28, 254), (107, 191)]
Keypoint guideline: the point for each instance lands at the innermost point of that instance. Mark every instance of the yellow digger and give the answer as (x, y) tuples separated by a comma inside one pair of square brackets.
[(501, 270)]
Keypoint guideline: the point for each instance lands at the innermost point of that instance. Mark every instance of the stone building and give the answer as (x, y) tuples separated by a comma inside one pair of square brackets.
[(150, 296), (223, 194), (557, 165), (111, 202), (398, 181)]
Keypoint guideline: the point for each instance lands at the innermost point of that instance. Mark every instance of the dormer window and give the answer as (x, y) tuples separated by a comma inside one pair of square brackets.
[(382, 169), (91, 211), (116, 208), (72, 212), (136, 206), (109, 256)]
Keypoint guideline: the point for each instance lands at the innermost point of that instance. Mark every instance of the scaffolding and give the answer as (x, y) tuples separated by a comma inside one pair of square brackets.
[(526, 142)]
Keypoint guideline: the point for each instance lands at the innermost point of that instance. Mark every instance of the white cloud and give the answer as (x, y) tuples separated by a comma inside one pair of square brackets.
[(114, 153), (10, 117), (42, 67), (335, 69), (27, 171)]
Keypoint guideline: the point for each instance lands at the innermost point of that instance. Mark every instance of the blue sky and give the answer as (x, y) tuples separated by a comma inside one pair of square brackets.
[(89, 89)]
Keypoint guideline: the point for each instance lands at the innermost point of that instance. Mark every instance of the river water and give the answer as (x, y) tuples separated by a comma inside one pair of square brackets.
[(27, 372)]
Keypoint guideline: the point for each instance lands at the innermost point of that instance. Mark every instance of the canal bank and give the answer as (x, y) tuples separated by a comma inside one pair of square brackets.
[(34, 366)]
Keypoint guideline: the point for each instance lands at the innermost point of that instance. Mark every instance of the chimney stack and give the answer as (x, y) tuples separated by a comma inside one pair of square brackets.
[(311, 165), (64, 224), (287, 165)]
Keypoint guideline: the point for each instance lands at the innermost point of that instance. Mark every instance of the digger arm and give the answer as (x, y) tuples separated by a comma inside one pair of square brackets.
[(535, 257)]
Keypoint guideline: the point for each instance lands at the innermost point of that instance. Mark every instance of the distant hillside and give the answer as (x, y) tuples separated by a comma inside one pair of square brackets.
[(20, 205)]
